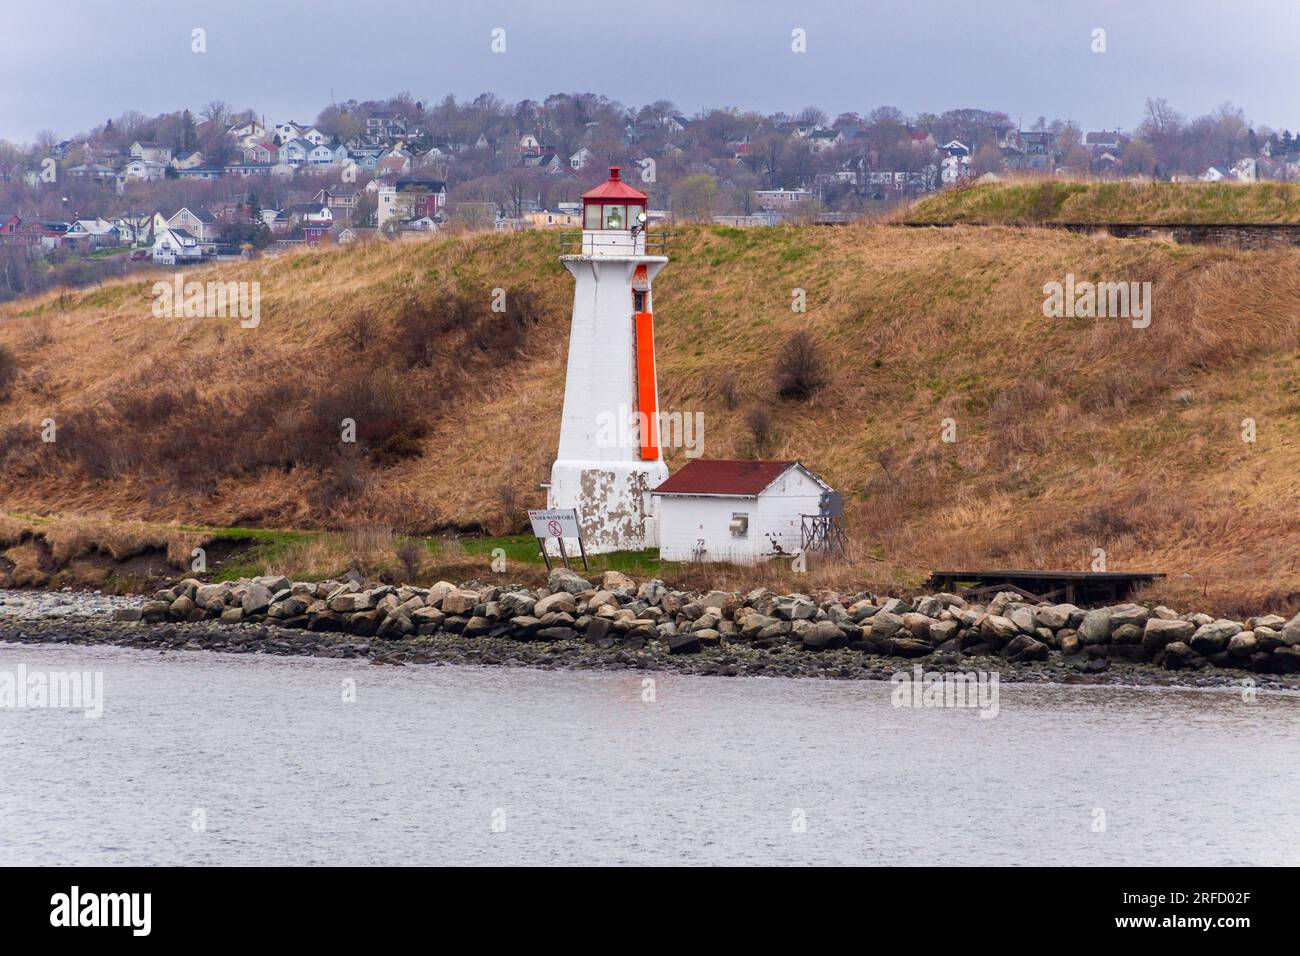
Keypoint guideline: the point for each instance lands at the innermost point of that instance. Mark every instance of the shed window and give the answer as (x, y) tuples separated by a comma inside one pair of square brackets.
[(739, 524)]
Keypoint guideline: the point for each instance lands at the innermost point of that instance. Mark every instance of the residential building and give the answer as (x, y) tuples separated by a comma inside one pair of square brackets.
[(199, 223), (411, 199), (151, 152), (176, 246)]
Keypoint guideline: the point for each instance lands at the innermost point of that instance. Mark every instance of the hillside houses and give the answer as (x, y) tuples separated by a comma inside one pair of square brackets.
[(398, 168)]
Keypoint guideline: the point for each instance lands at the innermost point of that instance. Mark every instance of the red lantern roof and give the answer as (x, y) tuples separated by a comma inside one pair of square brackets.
[(614, 189)]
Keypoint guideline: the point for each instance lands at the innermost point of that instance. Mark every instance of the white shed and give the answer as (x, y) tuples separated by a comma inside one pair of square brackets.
[(736, 511)]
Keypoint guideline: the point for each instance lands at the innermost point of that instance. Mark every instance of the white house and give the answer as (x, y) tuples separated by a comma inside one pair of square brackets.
[(580, 159), (1245, 170), (143, 169), (287, 131), (176, 245), (97, 232), (295, 151), (741, 512), (133, 230), (323, 154), (246, 133), (152, 152), (190, 159)]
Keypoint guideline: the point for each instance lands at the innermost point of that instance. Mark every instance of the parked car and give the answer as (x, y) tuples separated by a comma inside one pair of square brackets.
[(139, 254)]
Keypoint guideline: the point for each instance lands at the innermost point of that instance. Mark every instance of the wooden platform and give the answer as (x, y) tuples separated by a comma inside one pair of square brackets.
[(1069, 587)]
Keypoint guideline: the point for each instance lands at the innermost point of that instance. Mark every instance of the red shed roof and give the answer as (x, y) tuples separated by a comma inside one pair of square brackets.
[(614, 188), (722, 476)]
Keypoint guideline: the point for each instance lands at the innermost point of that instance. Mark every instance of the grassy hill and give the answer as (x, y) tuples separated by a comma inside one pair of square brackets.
[(1071, 435), (1037, 201)]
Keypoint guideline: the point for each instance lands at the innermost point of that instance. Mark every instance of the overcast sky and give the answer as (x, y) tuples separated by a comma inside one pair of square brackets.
[(71, 64)]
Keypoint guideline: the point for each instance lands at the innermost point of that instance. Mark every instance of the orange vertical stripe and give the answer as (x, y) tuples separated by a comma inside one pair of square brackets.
[(647, 399)]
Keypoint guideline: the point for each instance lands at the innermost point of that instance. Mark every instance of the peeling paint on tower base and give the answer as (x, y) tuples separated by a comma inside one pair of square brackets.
[(615, 508)]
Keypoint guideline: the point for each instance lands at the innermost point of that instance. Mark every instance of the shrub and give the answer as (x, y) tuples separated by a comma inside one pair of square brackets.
[(759, 422), (8, 371), (800, 370), (411, 554)]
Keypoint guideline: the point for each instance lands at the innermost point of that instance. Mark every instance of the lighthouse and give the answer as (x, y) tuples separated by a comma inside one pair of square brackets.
[(610, 457)]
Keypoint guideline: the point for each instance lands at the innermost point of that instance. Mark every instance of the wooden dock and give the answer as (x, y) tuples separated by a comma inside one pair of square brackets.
[(1070, 587)]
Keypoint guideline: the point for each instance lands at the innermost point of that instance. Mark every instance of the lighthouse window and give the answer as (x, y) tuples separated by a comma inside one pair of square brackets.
[(592, 220), (638, 300), (615, 217)]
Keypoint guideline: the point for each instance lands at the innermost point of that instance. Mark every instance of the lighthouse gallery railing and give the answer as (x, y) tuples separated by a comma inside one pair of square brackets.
[(585, 244)]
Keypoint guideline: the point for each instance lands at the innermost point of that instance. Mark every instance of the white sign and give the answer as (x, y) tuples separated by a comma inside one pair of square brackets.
[(559, 523)]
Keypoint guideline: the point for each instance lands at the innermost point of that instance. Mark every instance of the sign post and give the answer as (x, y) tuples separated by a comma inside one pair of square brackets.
[(557, 523)]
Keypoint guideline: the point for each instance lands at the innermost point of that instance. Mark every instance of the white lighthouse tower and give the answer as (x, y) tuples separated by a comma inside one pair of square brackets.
[(610, 458)]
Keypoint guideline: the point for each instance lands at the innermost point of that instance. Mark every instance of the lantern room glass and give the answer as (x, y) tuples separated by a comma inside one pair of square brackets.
[(611, 215)]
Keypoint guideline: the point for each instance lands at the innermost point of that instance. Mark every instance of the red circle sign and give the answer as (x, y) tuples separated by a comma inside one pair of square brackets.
[(555, 529)]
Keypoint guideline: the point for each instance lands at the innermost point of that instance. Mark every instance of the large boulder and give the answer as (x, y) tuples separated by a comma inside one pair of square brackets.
[(909, 647), (1159, 632), (1286, 660), (1178, 656), (563, 579), (1127, 634), (684, 644), (436, 593), (918, 625), (476, 627), (998, 629), (1095, 626), (1291, 633), (561, 601), (395, 626), (861, 610), (755, 623), (180, 609), (257, 598), (1023, 618), (273, 582), (822, 636), (211, 595), (1025, 648), (886, 624), (651, 591), (930, 606), (1214, 637), (617, 581), (515, 603), (459, 601), (1243, 644), (794, 609), (1122, 614), (601, 598), (1055, 616), (943, 631)]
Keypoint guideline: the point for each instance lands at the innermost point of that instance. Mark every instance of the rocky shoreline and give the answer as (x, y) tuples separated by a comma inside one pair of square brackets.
[(617, 624)]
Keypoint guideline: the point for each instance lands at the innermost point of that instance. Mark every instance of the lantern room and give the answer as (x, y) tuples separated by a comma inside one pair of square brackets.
[(614, 205)]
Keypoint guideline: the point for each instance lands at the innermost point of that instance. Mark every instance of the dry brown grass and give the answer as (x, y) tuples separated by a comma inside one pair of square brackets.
[(1069, 434), (1027, 199), (70, 538)]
